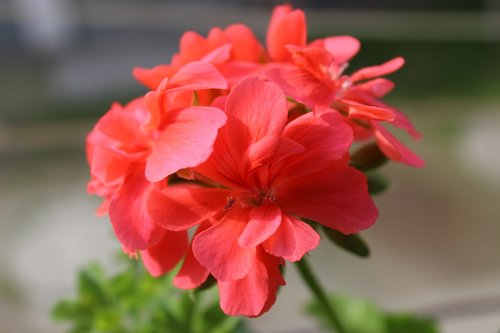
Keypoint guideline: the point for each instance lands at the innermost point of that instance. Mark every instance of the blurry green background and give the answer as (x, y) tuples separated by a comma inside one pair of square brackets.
[(435, 248)]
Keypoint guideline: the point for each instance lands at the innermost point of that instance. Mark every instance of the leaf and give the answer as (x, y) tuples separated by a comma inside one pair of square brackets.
[(376, 183), (407, 323), (352, 243), (368, 157), (359, 316)]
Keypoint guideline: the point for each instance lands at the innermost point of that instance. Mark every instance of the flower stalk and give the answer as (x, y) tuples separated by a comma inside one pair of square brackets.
[(315, 287)]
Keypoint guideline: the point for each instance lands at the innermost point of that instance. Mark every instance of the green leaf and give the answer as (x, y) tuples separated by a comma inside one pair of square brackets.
[(368, 157), (376, 183), (352, 243), (132, 301), (407, 323), (359, 316)]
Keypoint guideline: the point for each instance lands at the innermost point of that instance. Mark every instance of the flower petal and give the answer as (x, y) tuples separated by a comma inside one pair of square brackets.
[(368, 112), (343, 48), (336, 196), (132, 224), (186, 141), (163, 256), (181, 207), (325, 137), (217, 247), (264, 220), (301, 85), (374, 71), (197, 75), (246, 46), (292, 240), (394, 149), (256, 292), (152, 77), (192, 274), (287, 26)]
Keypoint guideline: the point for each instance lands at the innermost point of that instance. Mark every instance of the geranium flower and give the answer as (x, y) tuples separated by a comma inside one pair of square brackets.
[(270, 174), (132, 149), (234, 50), (314, 75)]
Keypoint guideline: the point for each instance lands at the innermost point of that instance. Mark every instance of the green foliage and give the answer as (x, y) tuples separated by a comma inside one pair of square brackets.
[(352, 243), (358, 316), (132, 301)]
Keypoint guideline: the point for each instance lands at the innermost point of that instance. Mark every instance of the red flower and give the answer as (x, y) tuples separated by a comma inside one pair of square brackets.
[(133, 149), (271, 174)]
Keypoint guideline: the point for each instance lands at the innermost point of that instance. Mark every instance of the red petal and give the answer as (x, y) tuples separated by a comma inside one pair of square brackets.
[(152, 77), (394, 149), (217, 247), (368, 112), (326, 138), (378, 87), (197, 76), (256, 292), (128, 213), (287, 26), (186, 141), (181, 207), (257, 106), (246, 46), (292, 240), (192, 273), (374, 71), (264, 220), (163, 256), (336, 196), (301, 85), (343, 48), (270, 150)]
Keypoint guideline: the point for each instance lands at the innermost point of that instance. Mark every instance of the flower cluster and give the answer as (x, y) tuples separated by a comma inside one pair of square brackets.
[(236, 146)]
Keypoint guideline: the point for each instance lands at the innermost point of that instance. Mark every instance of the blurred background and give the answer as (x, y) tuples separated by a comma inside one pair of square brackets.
[(436, 246)]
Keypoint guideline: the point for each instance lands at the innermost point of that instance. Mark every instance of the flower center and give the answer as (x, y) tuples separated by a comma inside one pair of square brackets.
[(248, 199)]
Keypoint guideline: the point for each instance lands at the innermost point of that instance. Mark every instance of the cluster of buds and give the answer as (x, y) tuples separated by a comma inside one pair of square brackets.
[(221, 168)]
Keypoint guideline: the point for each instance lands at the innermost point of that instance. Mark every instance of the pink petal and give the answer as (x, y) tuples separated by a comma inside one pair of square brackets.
[(292, 240), (192, 274), (326, 138), (180, 207), (368, 112), (108, 165), (192, 47), (403, 122), (197, 76), (246, 46), (394, 149), (301, 85), (343, 48), (219, 55), (272, 149), (152, 77), (374, 71), (255, 293), (163, 256), (287, 26), (186, 141), (378, 87), (258, 107), (264, 220), (128, 213), (217, 247), (336, 196)]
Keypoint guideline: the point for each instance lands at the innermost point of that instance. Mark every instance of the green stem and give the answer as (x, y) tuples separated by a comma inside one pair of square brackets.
[(315, 287)]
